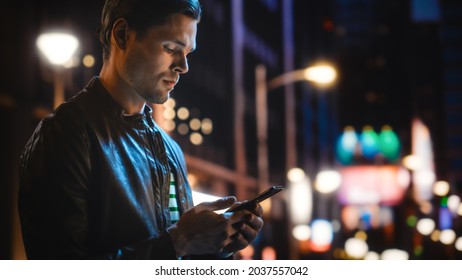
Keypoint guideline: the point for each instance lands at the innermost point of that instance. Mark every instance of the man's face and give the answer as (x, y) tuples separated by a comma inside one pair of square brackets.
[(153, 63)]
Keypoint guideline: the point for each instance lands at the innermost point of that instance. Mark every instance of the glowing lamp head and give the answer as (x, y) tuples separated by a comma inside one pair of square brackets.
[(57, 47), (322, 74)]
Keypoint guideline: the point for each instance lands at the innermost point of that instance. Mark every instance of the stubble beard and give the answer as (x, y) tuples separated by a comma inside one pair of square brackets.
[(158, 98)]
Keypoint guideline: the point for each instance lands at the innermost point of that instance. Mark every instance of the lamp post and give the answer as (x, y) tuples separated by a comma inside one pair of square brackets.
[(320, 75), (58, 48)]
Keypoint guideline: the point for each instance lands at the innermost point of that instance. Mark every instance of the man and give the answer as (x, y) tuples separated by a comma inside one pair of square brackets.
[(95, 174)]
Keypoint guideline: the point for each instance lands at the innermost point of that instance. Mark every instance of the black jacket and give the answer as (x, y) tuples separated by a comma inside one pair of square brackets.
[(94, 183)]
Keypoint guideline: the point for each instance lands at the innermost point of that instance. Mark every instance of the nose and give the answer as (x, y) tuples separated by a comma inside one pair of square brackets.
[(181, 66)]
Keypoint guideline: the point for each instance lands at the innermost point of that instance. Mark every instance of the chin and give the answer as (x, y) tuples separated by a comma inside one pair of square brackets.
[(158, 99)]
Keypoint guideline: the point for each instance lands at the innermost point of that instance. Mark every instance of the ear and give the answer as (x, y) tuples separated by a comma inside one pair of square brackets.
[(120, 33)]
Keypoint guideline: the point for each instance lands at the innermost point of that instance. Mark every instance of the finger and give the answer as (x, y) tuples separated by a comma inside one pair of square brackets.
[(235, 205), (238, 243), (244, 216), (257, 210), (219, 204), (248, 233), (254, 222)]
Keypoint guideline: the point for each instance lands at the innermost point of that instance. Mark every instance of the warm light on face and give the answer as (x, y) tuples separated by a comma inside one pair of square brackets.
[(57, 47)]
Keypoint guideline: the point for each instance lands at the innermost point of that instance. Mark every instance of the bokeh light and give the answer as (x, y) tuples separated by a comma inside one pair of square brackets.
[(207, 126), (183, 113), (369, 142), (196, 138), (458, 244), (301, 232), (321, 235), (447, 236), (88, 61), (195, 124), (425, 226), (441, 188), (346, 145), (170, 103), (328, 181), (394, 254), (356, 248), (296, 175), (389, 144)]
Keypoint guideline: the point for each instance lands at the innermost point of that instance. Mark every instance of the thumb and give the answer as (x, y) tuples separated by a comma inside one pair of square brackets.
[(219, 204)]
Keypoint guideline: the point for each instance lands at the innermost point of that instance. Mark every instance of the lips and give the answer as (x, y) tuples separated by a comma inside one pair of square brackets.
[(171, 83)]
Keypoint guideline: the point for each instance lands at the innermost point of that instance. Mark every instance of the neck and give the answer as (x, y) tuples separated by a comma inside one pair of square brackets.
[(129, 100)]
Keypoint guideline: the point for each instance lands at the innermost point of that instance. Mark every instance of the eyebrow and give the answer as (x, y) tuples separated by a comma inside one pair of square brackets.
[(178, 42)]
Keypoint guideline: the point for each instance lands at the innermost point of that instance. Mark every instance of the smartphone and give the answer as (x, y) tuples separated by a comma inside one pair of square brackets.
[(257, 199)]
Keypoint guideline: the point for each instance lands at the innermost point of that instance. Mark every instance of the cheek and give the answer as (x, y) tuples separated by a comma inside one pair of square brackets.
[(142, 65), (134, 64)]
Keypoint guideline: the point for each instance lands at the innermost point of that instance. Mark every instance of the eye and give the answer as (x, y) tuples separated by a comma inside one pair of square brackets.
[(169, 50)]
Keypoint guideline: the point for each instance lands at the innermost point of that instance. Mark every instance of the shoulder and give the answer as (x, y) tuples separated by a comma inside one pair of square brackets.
[(69, 115), (78, 110), (69, 121)]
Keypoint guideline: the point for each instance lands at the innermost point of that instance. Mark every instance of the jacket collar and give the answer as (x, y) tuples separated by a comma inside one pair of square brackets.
[(112, 107)]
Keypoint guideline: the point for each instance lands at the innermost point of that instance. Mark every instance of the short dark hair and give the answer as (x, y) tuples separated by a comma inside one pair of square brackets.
[(142, 14)]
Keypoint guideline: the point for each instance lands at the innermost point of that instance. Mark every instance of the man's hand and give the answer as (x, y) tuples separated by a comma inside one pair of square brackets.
[(248, 229), (202, 231)]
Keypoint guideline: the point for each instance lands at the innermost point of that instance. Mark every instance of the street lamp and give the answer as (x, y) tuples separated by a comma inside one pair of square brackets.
[(321, 75), (58, 48)]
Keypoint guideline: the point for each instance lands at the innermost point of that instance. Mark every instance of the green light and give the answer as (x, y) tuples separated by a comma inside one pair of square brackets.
[(411, 221), (369, 143), (389, 143), (418, 250), (444, 202)]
